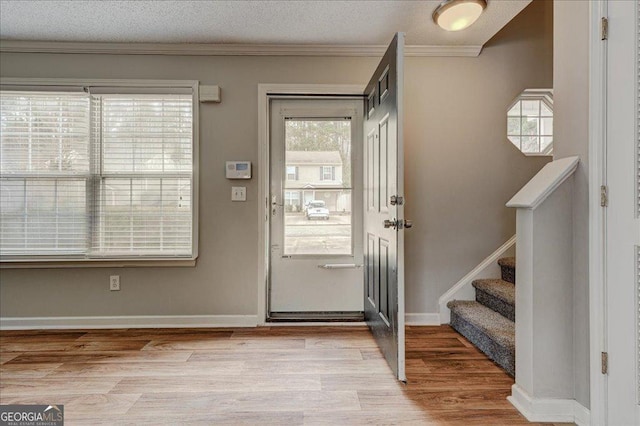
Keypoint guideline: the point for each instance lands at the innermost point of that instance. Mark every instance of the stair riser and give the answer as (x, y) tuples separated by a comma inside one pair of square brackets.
[(502, 356), (508, 274), (506, 310)]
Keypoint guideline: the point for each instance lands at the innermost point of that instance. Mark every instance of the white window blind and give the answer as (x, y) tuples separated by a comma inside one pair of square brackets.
[(144, 198), (44, 168), (96, 176)]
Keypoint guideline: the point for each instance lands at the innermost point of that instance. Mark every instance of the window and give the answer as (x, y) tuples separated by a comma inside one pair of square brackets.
[(292, 172), (100, 173), (292, 198), (319, 221), (44, 172), (530, 122), (327, 173)]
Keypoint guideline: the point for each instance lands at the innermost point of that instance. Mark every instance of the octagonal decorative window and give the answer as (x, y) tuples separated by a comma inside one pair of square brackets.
[(530, 122)]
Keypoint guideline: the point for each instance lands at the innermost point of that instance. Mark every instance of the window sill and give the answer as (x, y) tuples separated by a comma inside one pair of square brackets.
[(537, 154), (75, 263)]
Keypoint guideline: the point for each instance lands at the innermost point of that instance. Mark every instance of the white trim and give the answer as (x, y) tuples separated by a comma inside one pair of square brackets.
[(544, 183), (142, 321), (581, 414), (125, 82), (548, 410), (195, 171), (311, 89), (263, 191), (463, 289), (264, 90), (422, 319), (597, 123), (203, 49), (91, 263)]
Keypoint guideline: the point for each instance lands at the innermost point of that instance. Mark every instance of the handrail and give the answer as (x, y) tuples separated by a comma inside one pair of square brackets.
[(543, 184), (463, 289)]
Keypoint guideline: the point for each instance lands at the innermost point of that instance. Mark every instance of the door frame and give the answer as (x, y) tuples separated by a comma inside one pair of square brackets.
[(597, 158), (598, 315), (265, 92)]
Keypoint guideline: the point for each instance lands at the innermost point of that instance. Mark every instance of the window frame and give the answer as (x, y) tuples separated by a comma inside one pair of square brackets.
[(292, 176), (542, 96), (151, 86), (332, 173), (289, 199)]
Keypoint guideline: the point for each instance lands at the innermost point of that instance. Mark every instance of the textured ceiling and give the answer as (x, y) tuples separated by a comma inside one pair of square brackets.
[(245, 22)]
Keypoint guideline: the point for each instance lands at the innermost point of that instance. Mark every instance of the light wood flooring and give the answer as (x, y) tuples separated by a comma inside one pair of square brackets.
[(257, 376)]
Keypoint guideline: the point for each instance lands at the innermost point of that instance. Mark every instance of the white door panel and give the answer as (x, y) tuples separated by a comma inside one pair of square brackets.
[(316, 212), (622, 225)]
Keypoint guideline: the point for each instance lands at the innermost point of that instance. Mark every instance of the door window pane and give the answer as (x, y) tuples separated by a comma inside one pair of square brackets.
[(317, 203)]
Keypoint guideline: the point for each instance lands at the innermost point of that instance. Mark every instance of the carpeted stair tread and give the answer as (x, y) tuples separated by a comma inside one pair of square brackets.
[(508, 269), (489, 331), (491, 323), (497, 295), (508, 262), (499, 289)]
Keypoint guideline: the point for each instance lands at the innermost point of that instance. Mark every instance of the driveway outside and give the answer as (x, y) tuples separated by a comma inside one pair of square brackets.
[(322, 237)]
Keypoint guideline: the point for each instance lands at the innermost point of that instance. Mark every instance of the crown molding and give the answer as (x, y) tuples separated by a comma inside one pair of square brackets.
[(199, 49)]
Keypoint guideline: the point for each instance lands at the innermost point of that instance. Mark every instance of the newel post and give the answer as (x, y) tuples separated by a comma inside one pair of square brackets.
[(544, 288)]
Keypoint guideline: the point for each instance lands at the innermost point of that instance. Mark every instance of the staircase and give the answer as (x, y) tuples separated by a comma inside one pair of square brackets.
[(489, 321)]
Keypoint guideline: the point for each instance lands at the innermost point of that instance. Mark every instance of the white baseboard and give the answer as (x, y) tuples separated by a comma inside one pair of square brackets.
[(582, 415), (549, 410), (422, 319), (149, 321), (463, 289), (168, 321)]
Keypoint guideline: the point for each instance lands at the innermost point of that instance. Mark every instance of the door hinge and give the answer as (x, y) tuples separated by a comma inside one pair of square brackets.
[(604, 28), (604, 196), (605, 363)]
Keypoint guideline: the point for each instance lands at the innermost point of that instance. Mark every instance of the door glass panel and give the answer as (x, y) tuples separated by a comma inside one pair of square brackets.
[(317, 187)]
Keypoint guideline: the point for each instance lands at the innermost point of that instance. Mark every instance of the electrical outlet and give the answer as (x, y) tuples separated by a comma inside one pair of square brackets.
[(114, 283)]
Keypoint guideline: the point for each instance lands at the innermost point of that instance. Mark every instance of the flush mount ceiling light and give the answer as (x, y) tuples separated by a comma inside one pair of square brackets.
[(456, 15)]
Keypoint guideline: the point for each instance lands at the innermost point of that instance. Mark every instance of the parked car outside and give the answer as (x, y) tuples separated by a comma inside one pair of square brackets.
[(317, 209)]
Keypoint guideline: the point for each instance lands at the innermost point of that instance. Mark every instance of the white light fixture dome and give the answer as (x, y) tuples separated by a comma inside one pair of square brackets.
[(456, 15)]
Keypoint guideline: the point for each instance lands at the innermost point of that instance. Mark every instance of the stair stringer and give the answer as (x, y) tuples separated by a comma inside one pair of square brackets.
[(463, 289)]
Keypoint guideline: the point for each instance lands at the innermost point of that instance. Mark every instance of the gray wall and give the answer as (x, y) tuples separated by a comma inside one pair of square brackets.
[(460, 168), (571, 128), (460, 171)]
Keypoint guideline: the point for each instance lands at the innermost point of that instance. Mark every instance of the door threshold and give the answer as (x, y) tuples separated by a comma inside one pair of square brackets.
[(351, 324), (316, 317)]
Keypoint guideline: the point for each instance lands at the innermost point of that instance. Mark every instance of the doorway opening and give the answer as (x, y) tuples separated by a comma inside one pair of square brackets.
[(373, 271), (315, 216)]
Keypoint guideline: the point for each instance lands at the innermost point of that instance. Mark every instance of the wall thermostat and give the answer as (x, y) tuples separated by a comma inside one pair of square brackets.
[(238, 169)]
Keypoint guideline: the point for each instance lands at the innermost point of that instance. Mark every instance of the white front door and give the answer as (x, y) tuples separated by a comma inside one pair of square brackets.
[(316, 208), (622, 242)]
